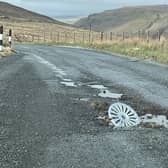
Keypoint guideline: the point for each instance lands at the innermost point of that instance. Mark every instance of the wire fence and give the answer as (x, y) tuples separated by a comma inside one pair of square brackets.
[(44, 33), (85, 36)]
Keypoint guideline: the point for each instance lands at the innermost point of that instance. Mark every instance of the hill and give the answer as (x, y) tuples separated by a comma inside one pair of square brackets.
[(10, 12), (32, 27), (128, 19)]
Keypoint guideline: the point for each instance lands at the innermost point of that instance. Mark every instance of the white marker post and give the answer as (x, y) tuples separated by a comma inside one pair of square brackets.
[(1, 38), (10, 38)]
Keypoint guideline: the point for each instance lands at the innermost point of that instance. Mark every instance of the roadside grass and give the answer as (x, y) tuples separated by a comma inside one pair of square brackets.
[(153, 50), (139, 48), (6, 52)]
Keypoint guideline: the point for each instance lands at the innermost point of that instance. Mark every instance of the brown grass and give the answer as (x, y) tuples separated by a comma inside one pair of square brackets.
[(6, 52), (49, 33), (154, 50)]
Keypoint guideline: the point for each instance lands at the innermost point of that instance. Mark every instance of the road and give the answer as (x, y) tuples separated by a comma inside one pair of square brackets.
[(46, 120)]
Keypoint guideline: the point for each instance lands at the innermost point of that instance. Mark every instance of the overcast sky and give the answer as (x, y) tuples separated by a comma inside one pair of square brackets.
[(78, 7)]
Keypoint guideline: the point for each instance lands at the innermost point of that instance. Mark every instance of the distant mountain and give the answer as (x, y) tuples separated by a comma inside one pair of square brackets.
[(128, 19), (68, 19), (11, 12)]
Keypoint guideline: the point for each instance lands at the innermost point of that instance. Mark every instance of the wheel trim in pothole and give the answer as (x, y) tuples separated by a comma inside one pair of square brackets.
[(123, 115)]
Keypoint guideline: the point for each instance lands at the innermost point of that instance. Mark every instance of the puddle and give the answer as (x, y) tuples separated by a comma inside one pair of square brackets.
[(97, 86), (156, 120), (69, 84), (88, 83), (84, 99), (67, 80), (108, 94)]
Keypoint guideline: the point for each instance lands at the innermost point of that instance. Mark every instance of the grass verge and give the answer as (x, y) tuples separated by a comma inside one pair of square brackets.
[(153, 50), (6, 52)]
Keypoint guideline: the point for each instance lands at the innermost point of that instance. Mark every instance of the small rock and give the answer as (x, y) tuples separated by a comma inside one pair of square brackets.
[(149, 116), (151, 125)]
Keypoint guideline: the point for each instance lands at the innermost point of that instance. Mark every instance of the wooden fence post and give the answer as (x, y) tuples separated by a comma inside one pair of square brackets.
[(123, 36), (51, 37), (23, 36), (158, 35), (74, 40), (90, 30), (148, 35), (111, 36), (83, 37), (139, 34), (101, 36), (44, 37)]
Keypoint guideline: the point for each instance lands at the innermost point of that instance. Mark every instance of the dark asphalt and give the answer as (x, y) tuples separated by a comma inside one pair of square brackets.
[(44, 124)]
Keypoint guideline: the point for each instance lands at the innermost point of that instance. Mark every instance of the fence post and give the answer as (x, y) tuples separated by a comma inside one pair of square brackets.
[(106, 36), (123, 36), (44, 37), (148, 34), (139, 34), (23, 36), (1, 38), (51, 37), (10, 38), (101, 36), (74, 37), (111, 36), (158, 35), (90, 30), (83, 37)]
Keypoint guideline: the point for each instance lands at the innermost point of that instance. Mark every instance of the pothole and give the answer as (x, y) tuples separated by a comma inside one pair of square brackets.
[(82, 99), (108, 94), (105, 93), (97, 86), (145, 121), (67, 80), (69, 84)]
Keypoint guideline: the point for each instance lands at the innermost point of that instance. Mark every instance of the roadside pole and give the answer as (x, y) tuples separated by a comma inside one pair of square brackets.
[(90, 30), (1, 38), (10, 38)]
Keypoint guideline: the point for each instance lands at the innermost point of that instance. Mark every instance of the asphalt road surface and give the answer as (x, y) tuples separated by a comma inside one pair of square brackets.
[(46, 120)]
